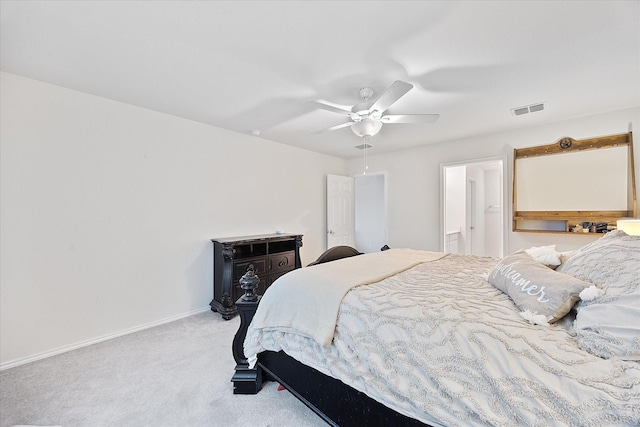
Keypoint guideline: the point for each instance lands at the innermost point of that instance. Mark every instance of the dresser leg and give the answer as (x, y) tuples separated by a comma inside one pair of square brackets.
[(226, 312)]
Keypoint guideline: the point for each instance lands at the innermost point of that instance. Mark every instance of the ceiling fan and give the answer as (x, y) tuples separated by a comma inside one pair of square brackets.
[(367, 117)]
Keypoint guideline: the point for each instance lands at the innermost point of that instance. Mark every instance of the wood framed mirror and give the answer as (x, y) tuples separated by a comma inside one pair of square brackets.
[(574, 185)]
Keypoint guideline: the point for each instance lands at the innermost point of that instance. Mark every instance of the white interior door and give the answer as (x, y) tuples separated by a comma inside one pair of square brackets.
[(340, 211)]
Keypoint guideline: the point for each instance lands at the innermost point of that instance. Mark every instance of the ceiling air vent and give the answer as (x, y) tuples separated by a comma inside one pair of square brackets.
[(527, 109)]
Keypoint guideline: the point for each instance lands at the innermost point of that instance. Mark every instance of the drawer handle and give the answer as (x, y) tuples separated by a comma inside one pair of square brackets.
[(283, 262)]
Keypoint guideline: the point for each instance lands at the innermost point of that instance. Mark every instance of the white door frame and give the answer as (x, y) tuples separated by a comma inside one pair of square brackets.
[(471, 216), (503, 198)]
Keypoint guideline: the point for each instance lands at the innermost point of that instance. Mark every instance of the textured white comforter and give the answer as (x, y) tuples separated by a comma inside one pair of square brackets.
[(438, 343), (307, 300)]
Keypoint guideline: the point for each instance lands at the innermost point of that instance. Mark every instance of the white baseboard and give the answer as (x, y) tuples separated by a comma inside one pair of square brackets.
[(64, 349)]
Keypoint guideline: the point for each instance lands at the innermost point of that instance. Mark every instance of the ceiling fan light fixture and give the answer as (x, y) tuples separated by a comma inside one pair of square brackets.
[(366, 127)]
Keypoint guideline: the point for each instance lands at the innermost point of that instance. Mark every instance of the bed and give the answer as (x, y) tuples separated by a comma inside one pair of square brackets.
[(425, 338)]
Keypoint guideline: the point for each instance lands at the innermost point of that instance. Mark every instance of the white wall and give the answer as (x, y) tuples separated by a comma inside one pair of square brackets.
[(413, 185), (108, 209)]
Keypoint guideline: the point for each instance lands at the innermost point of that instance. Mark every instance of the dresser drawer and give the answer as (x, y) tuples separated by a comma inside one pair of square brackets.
[(282, 262)]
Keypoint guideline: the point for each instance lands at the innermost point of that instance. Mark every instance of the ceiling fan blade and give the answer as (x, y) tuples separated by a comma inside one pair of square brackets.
[(394, 92), (410, 118), (336, 127), (330, 107)]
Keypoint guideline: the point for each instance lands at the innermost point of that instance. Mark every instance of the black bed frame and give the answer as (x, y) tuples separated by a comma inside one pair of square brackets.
[(334, 401)]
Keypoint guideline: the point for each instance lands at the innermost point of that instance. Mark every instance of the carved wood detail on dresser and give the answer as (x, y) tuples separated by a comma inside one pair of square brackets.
[(271, 255)]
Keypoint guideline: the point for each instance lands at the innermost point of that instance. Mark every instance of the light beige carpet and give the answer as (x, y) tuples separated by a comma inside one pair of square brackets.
[(176, 374)]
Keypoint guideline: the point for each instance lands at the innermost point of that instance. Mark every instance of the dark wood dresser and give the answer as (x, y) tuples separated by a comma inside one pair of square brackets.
[(271, 255)]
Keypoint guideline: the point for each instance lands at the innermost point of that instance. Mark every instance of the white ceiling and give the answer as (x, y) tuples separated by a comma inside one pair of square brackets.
[(247, 65)]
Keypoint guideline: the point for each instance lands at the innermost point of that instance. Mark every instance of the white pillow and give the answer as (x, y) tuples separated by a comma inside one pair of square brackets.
[(612, 328), (546, 255)]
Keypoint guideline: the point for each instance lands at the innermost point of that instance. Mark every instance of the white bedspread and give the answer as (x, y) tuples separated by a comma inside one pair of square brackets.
[(308, 299), (440, 344)]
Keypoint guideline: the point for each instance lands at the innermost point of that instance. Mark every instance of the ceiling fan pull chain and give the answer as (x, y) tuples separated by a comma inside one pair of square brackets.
[(364, 159), (366, 146)]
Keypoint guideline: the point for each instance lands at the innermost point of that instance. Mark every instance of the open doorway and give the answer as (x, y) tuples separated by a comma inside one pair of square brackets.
[(473, 207), (357, 211), (370, 212)]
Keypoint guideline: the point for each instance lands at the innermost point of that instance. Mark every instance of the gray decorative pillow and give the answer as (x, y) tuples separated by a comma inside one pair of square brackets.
[(535, 287)]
